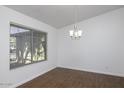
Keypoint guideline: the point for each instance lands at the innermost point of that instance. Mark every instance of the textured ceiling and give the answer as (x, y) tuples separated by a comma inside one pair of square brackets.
[(62, 15)]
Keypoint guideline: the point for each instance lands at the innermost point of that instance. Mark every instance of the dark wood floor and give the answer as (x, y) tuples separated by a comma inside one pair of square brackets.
[(67, 78)]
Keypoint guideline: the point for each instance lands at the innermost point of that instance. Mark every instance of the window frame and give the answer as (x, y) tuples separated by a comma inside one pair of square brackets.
[(32, 30)]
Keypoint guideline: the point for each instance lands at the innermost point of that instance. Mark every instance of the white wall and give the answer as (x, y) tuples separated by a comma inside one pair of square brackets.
[(11, 78), (101, 48)]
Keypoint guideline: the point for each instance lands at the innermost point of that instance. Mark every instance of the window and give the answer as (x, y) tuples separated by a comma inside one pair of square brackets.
[(27, 46)]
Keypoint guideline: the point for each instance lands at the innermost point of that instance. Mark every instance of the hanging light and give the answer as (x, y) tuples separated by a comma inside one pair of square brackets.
[(76, 33)]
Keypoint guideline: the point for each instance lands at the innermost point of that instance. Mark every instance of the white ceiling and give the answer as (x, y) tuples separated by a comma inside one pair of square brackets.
[(61, 15)]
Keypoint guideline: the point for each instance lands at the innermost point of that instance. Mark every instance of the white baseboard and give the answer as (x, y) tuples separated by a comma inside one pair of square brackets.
[(99, 72), (29, 79)]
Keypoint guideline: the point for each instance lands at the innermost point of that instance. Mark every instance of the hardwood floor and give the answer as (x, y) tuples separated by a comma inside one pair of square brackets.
[(68, 78)]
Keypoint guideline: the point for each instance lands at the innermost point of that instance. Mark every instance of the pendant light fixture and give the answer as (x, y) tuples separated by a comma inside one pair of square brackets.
[(75, 33)]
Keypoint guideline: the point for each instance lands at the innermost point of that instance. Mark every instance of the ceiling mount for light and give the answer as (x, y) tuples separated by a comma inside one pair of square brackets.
[(76, 33)]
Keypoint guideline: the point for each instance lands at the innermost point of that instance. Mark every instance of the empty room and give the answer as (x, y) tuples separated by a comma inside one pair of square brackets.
[(62, 46)]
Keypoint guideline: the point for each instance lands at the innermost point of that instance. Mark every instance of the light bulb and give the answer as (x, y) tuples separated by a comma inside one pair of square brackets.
[(80, 33), (71, 33), (76, 34)]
